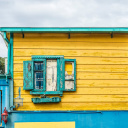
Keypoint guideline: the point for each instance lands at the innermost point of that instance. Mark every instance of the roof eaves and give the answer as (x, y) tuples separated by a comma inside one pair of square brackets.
[(66, 29)]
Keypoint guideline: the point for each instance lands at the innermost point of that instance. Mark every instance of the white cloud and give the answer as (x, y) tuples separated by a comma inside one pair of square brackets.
[(63, 13)]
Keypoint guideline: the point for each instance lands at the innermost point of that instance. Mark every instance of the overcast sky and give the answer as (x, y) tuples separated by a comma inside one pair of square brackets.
[(62, 13)]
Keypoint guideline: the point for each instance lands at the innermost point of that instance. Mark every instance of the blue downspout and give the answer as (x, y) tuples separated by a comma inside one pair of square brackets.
[(11, 72), (11, 57), (8, 65), (9, 48)]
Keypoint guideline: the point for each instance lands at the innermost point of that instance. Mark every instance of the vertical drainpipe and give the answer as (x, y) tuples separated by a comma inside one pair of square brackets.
[(11, 72), (9, 49), (11, 66), (8, 65)]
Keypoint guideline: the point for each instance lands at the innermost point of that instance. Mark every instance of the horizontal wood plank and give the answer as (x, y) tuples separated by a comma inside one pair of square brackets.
[(84, 60), (86, 75), (73, 37), (85, 91), (71, 45), (73, 52), (88, 68), (90, 83), (74, 106), (83, 98)]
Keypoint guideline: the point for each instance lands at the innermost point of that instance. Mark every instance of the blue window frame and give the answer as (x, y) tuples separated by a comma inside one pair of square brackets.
[(70, 79), (39, 74), (46, 75)]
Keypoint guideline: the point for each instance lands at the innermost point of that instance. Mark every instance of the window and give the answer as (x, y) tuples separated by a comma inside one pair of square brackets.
[(38, 74), (70, 76), (49, 75)]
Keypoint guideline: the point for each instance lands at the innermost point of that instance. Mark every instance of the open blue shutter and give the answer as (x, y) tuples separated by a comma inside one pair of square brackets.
[(61, 75), (69, 79), (28, 75)]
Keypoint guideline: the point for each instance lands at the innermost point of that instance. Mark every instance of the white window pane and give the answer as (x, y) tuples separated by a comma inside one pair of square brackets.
[(51, 75)]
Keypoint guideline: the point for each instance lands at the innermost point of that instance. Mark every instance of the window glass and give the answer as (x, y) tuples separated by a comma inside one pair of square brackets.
[(38, 72)]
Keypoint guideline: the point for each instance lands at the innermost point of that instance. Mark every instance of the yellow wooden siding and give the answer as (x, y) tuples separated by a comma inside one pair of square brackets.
[(102, 69)]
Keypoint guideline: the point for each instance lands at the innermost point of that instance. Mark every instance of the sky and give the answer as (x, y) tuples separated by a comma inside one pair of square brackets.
[(62, 13)]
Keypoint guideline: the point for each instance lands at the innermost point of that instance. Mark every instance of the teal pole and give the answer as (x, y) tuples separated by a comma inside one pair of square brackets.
[(8, 64), (9, 46), (11, 57)]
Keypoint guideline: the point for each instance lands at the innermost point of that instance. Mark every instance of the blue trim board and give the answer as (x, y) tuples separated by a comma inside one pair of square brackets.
[(64, 29)]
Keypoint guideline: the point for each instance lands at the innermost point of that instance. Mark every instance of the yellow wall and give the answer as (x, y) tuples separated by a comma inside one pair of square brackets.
[(102, 69)]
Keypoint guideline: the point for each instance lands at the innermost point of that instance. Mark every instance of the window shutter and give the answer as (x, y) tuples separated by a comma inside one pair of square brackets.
[(69, 67), (28, 75), (61, 76)]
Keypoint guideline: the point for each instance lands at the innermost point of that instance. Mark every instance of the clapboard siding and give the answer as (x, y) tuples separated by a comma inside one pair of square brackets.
[(76, 106), (73, 52), (84, 60), (102, 69), (85, 91), (85, 98)]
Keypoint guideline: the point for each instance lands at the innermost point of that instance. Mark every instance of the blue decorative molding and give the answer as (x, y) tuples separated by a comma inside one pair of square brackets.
[(46, 100), (34, 57)]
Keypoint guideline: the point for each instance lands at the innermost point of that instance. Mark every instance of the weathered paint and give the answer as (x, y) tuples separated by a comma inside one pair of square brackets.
[(51, 72), (46, 100), (70, 80), (101, 69), (28, 75)]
